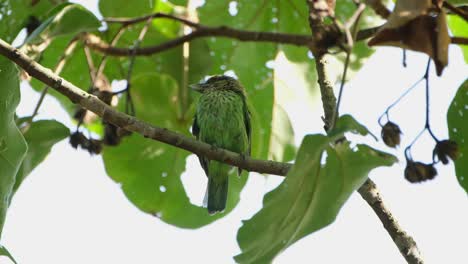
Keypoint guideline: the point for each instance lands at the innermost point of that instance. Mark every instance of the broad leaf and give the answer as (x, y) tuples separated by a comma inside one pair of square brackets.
[(309, 198), (458, 131), (65, 19), (14, 15), (41, 136), (13, 147), (149, 171)]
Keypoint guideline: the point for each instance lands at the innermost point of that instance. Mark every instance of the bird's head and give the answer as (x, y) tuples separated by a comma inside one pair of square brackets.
[(219, 82)]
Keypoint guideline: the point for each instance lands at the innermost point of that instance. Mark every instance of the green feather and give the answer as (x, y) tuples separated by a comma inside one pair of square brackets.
[(222, 120)]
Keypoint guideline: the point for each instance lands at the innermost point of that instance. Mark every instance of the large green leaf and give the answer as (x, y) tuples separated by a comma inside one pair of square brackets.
[(66, 19), (14, 15), (13, 147), (309, 198), (149, 171), (41, 136), (459, 28), (458, 131)]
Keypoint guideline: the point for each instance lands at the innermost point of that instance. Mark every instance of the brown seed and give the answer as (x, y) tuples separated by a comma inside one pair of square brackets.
[(446, 149), (391, 134), (419, 172)]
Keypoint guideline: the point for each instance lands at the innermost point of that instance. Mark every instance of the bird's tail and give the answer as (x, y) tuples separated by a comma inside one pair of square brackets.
[(218, 181)]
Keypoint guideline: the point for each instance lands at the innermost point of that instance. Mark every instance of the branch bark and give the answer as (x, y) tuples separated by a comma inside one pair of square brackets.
[(109, 114), (368, 191)]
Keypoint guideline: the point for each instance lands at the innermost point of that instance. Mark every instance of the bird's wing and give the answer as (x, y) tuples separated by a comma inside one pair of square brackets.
[(248, 127), (196, 133)]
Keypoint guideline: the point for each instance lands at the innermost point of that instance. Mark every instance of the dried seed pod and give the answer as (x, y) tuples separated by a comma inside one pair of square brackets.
[(78, 139), (446, 149), (111, 136), (391, 134), (94, 146), (419, 172)]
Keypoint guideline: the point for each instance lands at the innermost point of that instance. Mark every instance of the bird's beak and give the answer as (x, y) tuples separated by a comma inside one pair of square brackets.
[(197, 87)]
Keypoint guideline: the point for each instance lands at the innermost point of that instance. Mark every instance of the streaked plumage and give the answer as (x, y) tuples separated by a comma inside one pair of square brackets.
[(222, 119)]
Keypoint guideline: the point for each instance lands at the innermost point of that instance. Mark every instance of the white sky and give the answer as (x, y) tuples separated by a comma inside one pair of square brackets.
[(69, 211)]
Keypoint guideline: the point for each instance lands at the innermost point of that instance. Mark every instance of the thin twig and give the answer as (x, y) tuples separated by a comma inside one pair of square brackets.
[(379, 8), (114, 41), (89, 60), (353, 22), (460, 12), (130, 21), (58, 69), (129, 107), (459, 40)]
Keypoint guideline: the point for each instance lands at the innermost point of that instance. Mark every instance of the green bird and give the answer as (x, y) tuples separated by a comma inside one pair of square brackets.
[(222, 119)]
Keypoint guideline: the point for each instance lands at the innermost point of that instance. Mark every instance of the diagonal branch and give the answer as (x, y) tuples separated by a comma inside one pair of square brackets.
[(202, 31), (98, 44), (109, 114), (368, 191)]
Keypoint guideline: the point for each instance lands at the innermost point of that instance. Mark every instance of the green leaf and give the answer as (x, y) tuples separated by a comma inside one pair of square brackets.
[(13, 147), (65, 19), (458, 131), (347, 123), (459, 28), (4, 252), (282, 146), (41, 136), (124, 8), (14, 15), (149, 171), (309, 198)]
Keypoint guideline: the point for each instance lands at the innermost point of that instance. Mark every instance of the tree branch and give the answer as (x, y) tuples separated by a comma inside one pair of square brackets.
[(126, 21), (402, 240), (97, 43), (109, 114), (368, 190), (460, 12)]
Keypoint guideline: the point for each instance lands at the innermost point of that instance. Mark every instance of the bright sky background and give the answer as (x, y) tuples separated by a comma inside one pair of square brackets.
[(69, 211)]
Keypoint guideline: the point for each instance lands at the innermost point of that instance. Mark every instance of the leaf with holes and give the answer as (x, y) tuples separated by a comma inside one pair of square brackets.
[(458, 129), (319, 183), (13, 147), (150, 171)]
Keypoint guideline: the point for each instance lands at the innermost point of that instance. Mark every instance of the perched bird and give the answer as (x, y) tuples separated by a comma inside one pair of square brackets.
[(222, 119)]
